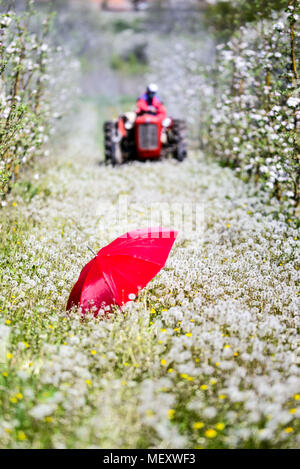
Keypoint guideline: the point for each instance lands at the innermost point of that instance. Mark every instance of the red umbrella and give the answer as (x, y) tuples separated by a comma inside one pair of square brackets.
[(121, 269)]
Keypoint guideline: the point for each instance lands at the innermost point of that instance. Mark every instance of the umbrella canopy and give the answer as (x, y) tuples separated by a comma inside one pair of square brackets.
[(122, 268)]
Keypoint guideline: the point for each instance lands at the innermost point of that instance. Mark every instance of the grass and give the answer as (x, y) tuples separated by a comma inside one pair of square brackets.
[(203, 358)]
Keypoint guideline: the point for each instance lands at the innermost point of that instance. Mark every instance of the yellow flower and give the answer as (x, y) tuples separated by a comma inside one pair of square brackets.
[(171, 413), (217, 363), (26, 345), (13, 400), (5, 374), (14, 204), (8, 321), (289, 430), (48, 419), (93, 352), (222, 396), (170, 370), (184, 375), (19, 396), (297, 397), (163, 362), (220, 426), (152, 311), (203, 387), (163, 330), (210, 433), (198, 425), (21, 436), (293, 411), (149, 412), (189, 334), (213, 381), (227, 346), (9, 356), (88, 382)]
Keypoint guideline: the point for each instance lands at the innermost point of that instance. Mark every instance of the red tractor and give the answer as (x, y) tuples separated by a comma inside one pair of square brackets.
[(145, 136)]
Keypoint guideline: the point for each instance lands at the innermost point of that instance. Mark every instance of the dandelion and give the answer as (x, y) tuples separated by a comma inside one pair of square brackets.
[(21, 436), (210, 433), (198, 425), (40, 411), (220, 426)]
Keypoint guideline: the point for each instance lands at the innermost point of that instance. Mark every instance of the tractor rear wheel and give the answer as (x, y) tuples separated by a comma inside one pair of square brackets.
[(112, 147), (179, 135)]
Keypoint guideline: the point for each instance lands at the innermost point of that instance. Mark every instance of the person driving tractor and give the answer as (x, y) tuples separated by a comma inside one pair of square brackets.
[(149, 102)]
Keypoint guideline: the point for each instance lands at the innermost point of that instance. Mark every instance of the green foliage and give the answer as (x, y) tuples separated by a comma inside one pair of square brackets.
[(130, 64), (226, 16), (28, 89), (253, 119), (120, 25)]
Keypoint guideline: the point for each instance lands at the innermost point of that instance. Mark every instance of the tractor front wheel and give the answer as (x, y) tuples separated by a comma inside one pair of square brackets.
[(179, 135), (117, 155)]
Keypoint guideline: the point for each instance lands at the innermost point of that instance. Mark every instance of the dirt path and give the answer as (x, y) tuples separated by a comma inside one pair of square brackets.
[(207, 355)]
